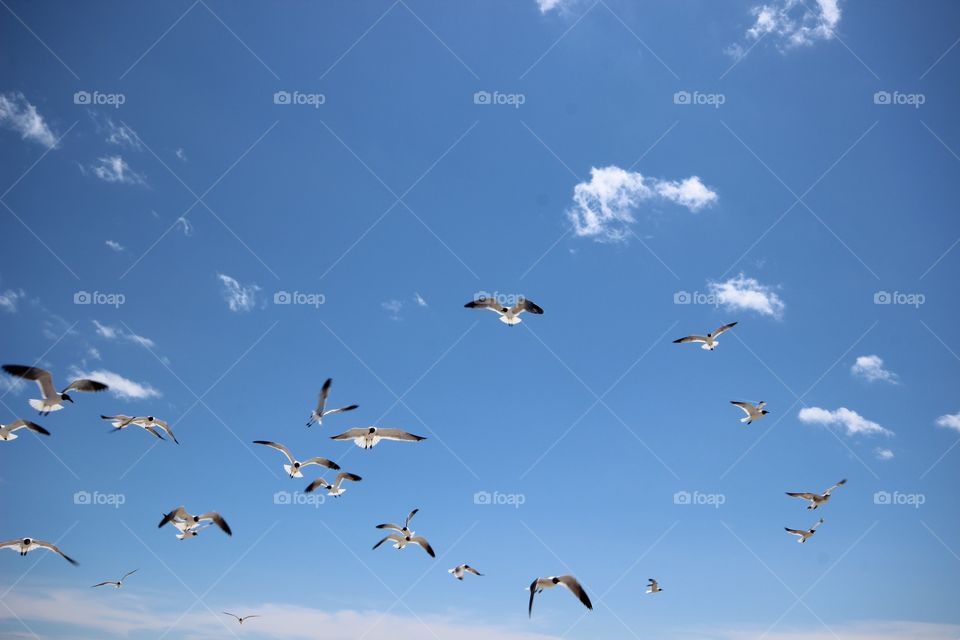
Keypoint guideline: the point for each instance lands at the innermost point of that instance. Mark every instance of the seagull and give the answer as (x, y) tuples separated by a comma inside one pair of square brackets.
[(240, 619), (334, 489), (405, 529), (399, 542), (149, 422), (295, 465), (753, 412), (121, 422), (817, 499), (508, 315), (26, 545), (709, 341), (569, 582), (189, 529), (7, 430), (52, 399), (368, 437), (460, 569), (804, 535), (654, 586), (116, 584), (318, 414), (180, 515)]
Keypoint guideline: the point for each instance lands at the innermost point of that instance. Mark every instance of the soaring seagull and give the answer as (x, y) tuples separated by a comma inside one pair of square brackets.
[(368, 437), (709, 341), (116, 584), (7, 430), (25, 545), (334, 489), (817, 499), (753, 412), (293, 469), (121, 422), (653, 586), (405, 529), (804, 535), (569, 582), (52, 399), (508, 315), (241, 619), (318, 414), (180, 515), (460, 569), (149, 422), (399, 542)]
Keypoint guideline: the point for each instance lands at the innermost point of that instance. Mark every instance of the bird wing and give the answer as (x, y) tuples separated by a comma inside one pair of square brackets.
[(410, 517), (26, 424), (121, 420), (10, 544), (55, 549), (486, 303), (839, 484), (745, 406), (398, 434), (279, 447), (103, 584), (346, 476), (232, 615), (322, 398), (525, 305), (533, 592), (349, 407), (805, 496), (725, 327), (653, 583), (420, 540), (319, 482), (178, 513), (41, 376), (571, 583), (323, 462), (163, 425), (151, 430), (128, 574), (690, 339), (467, 567), (818, 523), (392, 536), (218, 520), (84, 384), (795, 532), (390, 525), (350, 434)]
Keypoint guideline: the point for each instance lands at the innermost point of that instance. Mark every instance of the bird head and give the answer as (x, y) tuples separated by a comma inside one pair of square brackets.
[(66, 397), (27, 541), (371, 430)]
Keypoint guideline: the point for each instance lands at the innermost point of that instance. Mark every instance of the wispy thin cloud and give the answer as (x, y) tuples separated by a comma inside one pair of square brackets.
[(239, 297), (116, 246), (789, 24), (117, 333), (10, 299), (114, 169), (120, 386), (17, 114)]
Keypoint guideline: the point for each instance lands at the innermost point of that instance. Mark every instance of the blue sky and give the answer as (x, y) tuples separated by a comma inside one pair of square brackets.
[(642, 173)]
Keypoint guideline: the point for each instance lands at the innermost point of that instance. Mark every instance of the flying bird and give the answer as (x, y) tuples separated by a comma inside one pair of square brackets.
[(368, 437), (817, 499), (241, 619), (334, 489), (25, 545), (654, 586), (180, 515), (188, 529), (405, 529), (804, 535), (399, 542), (753, 412), (293, 469), (116, 584), (121, 422), (52, 399), (318, 414), (569, 582), (508, 315), (460, 569), (7, 430), (709, 341)]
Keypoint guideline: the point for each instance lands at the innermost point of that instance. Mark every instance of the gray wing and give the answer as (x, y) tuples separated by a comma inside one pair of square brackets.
[(410, 517), (319, 482), (178, 513), (346, 476), (392, 536), (218, 520), (350, 434), (422, 542), (323, 462), (725, 327), (349, 407), (690, 339), (322, 398), (41, 376), (839, 484), (26, 424), (745, 406), (163, 425), (467, 567), (805, 496), (397, 434), (485, 303), (279, 447), (55, 549), (86, 385), (571, 583), (526, 305)]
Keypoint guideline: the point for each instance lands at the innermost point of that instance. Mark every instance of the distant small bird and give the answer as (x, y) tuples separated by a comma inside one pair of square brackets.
[(334, 489), (405, 529), (52, 399), (508, 315), (460, 569), (817, 499), (709, 341), (25, 545), (7, 430), (654, 586), (399, 542), (116, 583), (121, 422), (569, 582), (318, 414), (753, 412), (182, 516), (293, 469), (804, 535), (368, 437), (241, 619)]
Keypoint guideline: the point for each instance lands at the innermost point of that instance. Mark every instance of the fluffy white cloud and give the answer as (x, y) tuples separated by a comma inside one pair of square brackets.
[(238, 297), (116, 246), (9, 300), (747, 294), (116, 169), (792, 23), (883, 454), (949, 421), (116, 333), (18, 114), (851, 422), (548, 5), (604, 207), (871, 369), (119, 386)]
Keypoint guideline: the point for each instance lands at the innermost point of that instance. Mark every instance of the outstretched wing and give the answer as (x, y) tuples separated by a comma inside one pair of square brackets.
[(86, 385), (397, 434), (571, 583), (323, 462), (279, 447), (805, 496), (322, 398), (319, 482), (410, 517), (55, 549), (839, 484), (420, 540), (26, 424), (350, 434), (392, 536), (725, 327), (690, 339), (218, 520), (41, 376), (525, 305)]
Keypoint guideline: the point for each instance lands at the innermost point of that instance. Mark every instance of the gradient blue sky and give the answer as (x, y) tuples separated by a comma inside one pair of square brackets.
[(800, 199)]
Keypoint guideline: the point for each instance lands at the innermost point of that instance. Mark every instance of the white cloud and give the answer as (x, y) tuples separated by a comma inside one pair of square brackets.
[(9, 384), (116, 333), (94, 353), (548, 5), (119, 386), (791, 23), (871, 369), (116, 246), (116, 169), (122, 135), (238, 297), (949, 421), (419, 299), (9, 300), (852, 422), (857, 630), (181, 154), (604, 207), (747, 294), (883, 454), (185, 226), (18, 114), (393, 307)]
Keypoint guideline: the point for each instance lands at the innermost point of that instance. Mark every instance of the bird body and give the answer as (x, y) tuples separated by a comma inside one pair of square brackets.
[(460, 569), (368, 437), (817, 499), (508, 315), (709, 341), (754, 412)]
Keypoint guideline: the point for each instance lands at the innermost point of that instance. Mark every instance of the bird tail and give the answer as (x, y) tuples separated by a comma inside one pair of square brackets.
[(39, 406)]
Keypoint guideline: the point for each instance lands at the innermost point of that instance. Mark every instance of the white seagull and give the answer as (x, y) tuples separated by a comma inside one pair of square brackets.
[(151, 422), (460, 569), (241, 619), (569, 582), (318, 414), (753, 412), (817, 499), (709, 341), (334, 489), (25, 545), (368, 437), (52, 399), (7, 430), (399, 542), (121, 422), (508, 315), (116, 584), (189, 529), (405, 529), (654, 586), (293, 469), (182, 516), (804, 535)]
